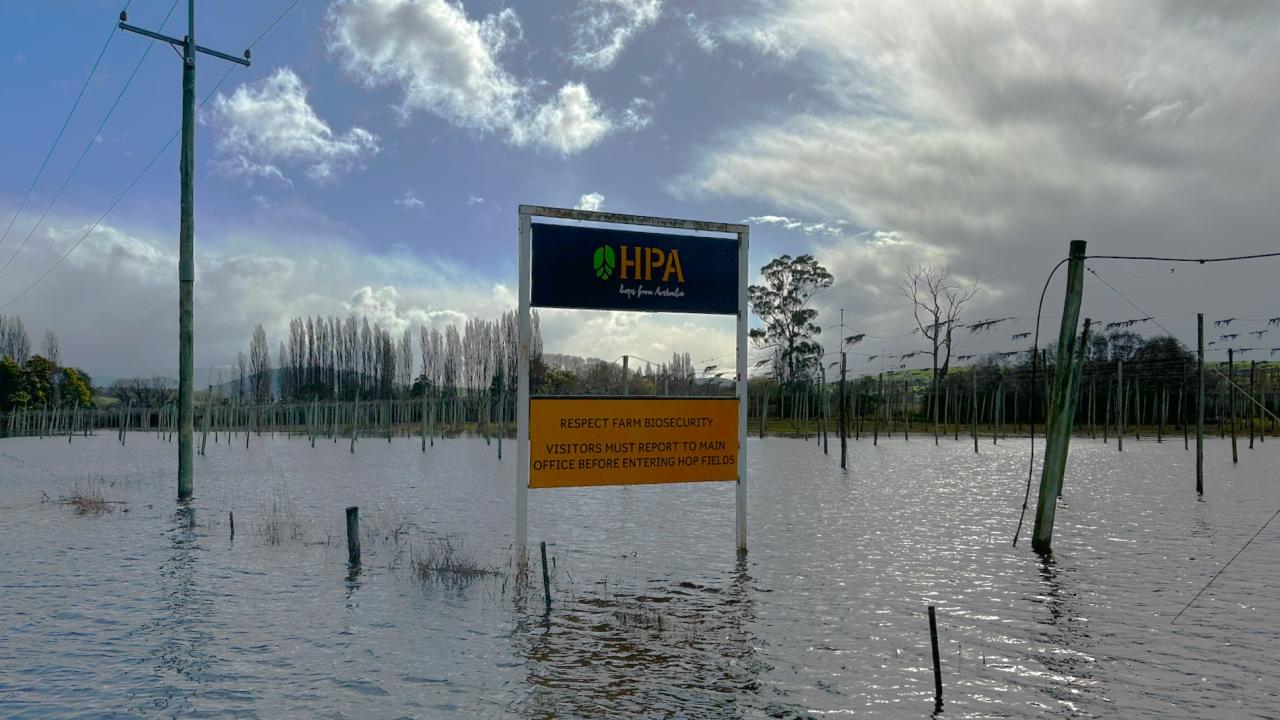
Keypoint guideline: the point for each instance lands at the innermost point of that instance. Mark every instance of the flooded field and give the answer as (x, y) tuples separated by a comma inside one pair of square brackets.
[(136, 608)]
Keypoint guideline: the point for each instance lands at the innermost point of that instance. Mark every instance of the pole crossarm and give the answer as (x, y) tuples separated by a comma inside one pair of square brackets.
[(179, 42)]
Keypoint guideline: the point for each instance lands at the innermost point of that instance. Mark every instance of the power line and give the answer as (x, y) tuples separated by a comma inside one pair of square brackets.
[(115, 202), (61, 130), (88, 146), (149, 164)]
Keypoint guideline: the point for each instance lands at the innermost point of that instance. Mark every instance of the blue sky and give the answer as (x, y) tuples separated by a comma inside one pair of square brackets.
[(372, 158)]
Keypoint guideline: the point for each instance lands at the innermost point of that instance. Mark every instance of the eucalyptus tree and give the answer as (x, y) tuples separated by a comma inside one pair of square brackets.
[(782, 304)]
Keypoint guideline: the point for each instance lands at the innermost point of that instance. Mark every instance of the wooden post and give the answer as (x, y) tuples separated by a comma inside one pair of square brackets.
[(1163, 408), (1075, 384), (937, 660), (1123, 405), (1061, 408), (231, 518), (844, 432), (1253, 371), (1231, 400), (1182, 409), (875, 437), (973, 409), (355, 420), (906, 414), (353, 535), (546, 578), (1199, 403)]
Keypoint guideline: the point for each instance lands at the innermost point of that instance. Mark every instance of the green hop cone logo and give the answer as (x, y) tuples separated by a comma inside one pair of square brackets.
[(604, 262)]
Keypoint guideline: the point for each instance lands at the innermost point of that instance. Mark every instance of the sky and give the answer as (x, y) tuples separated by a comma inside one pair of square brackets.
[(372, 158)]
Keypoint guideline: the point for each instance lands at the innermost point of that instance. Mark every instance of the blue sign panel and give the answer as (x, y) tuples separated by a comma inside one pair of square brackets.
[(608, 269)]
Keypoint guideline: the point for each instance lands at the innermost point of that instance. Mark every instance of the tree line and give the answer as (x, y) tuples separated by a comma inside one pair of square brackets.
[(37, 380)]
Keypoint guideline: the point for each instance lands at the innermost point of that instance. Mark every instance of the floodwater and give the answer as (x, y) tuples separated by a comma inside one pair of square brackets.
[(148, 610)]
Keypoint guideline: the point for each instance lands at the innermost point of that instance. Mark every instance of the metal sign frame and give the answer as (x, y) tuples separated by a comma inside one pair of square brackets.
[(526, 214)]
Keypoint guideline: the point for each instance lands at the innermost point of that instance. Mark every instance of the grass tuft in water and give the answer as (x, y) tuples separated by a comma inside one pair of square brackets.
[(443, 561), (88, 500)]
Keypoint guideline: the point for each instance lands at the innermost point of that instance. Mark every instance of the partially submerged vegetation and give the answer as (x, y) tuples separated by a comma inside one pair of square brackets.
[(444, 561), (88, 500)]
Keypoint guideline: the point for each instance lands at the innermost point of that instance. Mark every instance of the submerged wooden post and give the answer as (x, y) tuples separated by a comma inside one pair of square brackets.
[(937, 660), (546, 577), (973, 406), (1061, 408), (1122, 406), (1199, 403), (875, 437), (844, 431), (1253, 371), (353, 535), (1075, 384), (1231, 400)]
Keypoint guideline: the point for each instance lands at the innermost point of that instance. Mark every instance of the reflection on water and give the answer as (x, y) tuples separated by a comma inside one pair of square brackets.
[(157, 612), (604, 653)]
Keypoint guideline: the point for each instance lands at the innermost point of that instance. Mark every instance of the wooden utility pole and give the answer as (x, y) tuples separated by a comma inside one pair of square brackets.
[(1061, 406), (626, 376), (186, 234), (1199, 403)]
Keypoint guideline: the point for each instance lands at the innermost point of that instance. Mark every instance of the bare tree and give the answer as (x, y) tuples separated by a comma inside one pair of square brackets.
[(51, 348), (260, 365), (144, 392), (936, 301), (14, 342), (242, 375)]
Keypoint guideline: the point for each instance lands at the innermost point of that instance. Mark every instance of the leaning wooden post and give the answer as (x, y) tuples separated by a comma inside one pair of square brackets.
[(1075, 384), (1231, 400), (353, 535), (1061, 408), (937, 661), (546, 577)]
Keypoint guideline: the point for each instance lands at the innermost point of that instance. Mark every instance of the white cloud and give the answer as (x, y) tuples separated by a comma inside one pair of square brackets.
[(265, 125), (449, 65), (242, 278), (261, 275), (999, 130), (590, 201), (833, 228), (701, 33), (409, 201), (569, 123), (602, 29)]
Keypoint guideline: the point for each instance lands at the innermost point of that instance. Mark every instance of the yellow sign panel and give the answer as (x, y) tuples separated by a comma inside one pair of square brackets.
[(612, 441)]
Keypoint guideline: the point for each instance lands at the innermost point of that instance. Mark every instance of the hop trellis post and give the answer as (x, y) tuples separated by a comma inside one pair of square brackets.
[(1061, 405)]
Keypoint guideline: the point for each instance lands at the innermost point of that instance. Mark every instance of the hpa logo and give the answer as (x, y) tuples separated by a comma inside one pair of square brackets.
[(638, 263), (604, 262)]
